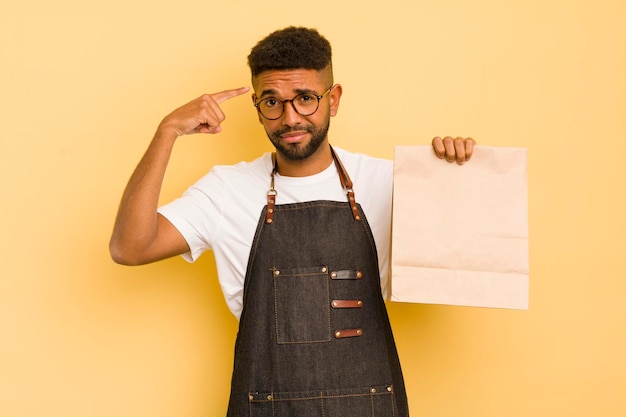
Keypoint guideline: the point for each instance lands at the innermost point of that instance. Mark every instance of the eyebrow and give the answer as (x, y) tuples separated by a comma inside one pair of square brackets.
[(298, 91)]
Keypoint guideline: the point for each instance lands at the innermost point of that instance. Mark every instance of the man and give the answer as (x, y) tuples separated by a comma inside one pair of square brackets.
[(302, 251)]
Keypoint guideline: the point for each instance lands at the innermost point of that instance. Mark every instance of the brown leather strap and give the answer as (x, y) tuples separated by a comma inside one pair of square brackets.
[(347, 185), (340, 334), (346, 274), (271, 194), (346, 303)]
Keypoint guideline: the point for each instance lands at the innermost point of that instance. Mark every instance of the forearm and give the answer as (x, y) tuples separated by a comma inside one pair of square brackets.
[(136, 224)]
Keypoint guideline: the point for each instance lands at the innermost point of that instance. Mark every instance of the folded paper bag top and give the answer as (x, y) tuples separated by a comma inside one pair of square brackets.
[(460, 233)]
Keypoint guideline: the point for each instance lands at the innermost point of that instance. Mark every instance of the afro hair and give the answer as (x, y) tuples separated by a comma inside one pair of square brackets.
[(290, 48)]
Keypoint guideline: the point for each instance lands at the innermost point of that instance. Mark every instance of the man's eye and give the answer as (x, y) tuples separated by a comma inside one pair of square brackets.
[(305, 98), (270, 102)]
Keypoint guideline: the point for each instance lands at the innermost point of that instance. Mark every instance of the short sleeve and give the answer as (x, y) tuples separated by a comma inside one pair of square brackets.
[(196, 214)]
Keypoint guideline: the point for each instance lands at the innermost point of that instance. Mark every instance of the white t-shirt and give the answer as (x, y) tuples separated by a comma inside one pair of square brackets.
[(221, 211)]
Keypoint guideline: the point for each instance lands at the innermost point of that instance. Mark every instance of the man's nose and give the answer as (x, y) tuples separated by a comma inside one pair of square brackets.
[(290, 114)]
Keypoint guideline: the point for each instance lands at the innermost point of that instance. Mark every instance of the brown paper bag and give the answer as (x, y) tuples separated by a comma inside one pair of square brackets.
[(460, 233)]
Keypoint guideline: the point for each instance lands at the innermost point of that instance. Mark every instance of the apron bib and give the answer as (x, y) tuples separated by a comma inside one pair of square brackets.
[(314, 338)]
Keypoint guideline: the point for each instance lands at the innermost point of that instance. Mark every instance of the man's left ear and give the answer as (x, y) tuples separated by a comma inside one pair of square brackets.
[(334, 97)]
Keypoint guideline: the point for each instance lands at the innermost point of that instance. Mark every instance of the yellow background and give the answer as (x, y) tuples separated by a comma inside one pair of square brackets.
[(84, 84)]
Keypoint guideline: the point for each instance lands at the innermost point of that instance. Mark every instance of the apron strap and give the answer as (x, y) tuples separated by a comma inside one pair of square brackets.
[(346, 183), (271, 194)]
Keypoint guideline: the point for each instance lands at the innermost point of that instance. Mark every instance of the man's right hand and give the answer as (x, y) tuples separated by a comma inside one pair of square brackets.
[(202, 115)]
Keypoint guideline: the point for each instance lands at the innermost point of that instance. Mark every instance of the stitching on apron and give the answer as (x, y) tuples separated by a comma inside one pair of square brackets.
[(320, 396), (320, 272)]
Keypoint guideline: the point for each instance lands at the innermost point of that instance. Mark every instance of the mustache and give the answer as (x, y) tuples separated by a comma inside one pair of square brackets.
[(292, 129)]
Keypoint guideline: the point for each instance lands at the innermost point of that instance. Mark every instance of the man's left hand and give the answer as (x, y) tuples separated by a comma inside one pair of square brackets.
[(454, 149)]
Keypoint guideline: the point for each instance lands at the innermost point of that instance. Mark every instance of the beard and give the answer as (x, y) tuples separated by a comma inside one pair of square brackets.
[(297, 151)]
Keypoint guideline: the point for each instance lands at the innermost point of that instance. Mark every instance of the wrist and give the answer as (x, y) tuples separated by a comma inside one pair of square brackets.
[(166, 133)]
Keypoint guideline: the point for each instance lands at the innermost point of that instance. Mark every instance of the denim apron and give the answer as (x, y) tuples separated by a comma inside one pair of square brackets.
[(314, 338)]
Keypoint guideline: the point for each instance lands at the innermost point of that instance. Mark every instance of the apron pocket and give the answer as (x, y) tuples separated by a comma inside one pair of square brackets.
[(302, 305), (369, 401)]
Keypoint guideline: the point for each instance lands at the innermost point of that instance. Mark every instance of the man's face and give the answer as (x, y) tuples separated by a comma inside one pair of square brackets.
[(297, 137)]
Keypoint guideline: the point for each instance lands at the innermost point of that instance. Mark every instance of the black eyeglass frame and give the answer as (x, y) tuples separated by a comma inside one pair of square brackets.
[(257, 104)]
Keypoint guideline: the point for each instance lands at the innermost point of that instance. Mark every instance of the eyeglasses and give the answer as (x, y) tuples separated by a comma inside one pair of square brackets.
[(304, 104)]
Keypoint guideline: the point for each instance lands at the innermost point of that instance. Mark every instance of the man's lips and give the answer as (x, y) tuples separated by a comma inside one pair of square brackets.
[(294, 136)]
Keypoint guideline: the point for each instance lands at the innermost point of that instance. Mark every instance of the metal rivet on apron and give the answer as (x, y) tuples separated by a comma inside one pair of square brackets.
[(373, 390), (269, 220), (346, 303), (251, 397), (359, 274), (389, 389), (270, 210), (324, 269), (270, 397), (333, 275), (359, 332), (276, 272), (337, 334)]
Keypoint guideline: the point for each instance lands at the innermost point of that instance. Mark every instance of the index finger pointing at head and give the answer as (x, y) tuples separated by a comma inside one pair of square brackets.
[(228, 94)]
